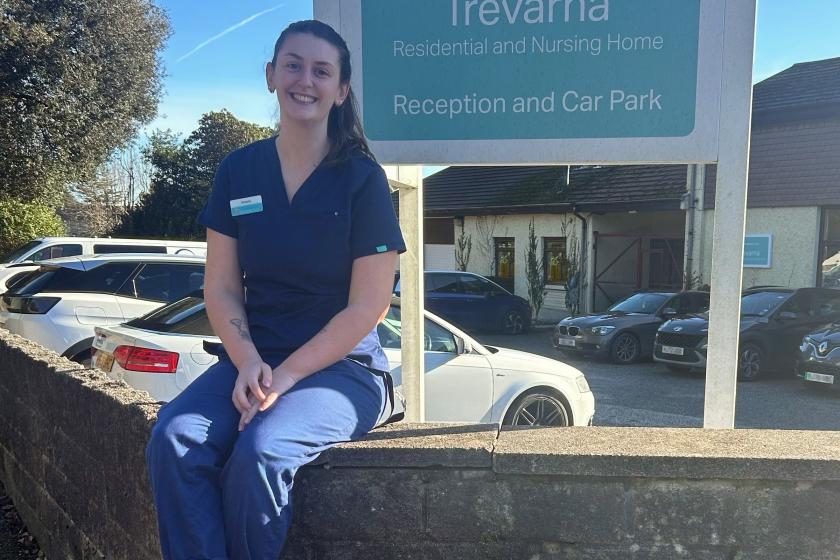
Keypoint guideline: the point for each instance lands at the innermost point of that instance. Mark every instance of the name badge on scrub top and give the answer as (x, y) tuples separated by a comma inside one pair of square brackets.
[(248, 205)]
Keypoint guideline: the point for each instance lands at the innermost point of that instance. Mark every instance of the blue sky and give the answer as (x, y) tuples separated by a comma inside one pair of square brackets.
[(217, 52)]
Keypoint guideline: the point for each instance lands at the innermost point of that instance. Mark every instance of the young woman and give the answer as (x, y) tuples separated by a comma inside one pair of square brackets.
[(302, 246)]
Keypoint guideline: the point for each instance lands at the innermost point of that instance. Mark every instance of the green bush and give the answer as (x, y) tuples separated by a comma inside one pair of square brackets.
[(23, 221)]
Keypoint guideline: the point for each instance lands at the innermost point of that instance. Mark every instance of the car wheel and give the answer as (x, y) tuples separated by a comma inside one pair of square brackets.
[(749, 362), (539, 407), (513, 322), (625, 349)]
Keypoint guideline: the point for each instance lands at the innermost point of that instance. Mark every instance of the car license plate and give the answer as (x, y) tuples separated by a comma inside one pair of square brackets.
[(819, 377), (570, 342), (104, 361), (675, 350)]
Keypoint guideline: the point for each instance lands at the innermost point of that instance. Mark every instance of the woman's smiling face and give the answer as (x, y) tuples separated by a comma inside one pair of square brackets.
[(307, 78)]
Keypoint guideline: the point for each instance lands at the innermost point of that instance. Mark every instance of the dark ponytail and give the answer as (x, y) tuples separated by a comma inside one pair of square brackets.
[(344, 128)]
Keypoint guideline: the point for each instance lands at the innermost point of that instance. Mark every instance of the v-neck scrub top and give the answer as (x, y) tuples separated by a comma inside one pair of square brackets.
[(296, 257)]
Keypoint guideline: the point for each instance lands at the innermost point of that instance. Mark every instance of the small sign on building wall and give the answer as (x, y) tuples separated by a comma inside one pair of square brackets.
[(758, 250)]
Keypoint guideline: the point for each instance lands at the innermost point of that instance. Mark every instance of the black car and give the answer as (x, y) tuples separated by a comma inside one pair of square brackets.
[(773, 322), (625, 332), (819, 357), (473, 302)]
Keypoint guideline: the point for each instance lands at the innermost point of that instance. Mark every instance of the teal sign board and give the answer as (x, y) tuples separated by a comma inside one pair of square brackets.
[(529, 69), (758, 251)]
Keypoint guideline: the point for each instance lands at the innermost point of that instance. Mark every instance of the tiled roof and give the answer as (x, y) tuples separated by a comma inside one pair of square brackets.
[(475, 190), (801, 85)]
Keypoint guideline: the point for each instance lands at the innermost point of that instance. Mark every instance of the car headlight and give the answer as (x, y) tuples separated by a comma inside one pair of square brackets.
[(805, 343), (601, 331), (582, 385), (704, 344)]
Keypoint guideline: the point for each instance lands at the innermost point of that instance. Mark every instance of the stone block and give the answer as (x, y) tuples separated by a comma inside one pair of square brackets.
[(377, 505), (135, 513), (368, 551), (682, 453), (526, 508), (418, 446)]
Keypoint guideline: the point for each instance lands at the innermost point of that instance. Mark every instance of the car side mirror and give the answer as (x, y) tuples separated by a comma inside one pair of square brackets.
[(462, 346), (788, 316), (669, 312)]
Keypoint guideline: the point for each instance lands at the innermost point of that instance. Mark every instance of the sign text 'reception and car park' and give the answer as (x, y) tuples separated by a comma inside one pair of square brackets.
[(511, 69)]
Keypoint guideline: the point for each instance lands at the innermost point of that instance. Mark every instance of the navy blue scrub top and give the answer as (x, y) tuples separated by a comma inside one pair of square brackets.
[(297, 257)]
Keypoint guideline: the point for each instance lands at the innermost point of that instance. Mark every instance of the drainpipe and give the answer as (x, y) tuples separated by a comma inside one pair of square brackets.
[(584, 253), (688, 261)]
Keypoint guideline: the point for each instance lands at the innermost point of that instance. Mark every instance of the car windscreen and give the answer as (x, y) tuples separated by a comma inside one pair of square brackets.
[(185, 316), (761, 304), (19, 252), (104, 279), (640, 303)]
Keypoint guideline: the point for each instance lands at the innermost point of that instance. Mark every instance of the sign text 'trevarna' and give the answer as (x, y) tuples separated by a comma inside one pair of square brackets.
[(494, 12)]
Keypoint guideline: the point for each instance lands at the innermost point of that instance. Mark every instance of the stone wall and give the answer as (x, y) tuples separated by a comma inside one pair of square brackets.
[(72, 446)]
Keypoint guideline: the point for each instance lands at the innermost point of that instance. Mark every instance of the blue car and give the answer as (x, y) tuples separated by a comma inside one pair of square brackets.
[(473, 302)]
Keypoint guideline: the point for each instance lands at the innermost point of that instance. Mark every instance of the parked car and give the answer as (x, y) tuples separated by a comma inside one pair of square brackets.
[(819, 357), (14, 264), (773, 323), (473, 302), (59, 305), (625, 332), (162, 353)]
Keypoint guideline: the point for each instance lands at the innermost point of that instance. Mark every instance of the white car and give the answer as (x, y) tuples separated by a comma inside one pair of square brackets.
[(162, 352), (59, 304), (19, 261)]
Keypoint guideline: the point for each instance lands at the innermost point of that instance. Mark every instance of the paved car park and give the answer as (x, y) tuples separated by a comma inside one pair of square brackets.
[(649, 394)]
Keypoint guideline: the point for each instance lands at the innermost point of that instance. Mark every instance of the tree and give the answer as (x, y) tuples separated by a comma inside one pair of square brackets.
[(463, 248), (575, 277), (534, 272), (183, 174), (485, 227), (79, 78), (23, 221), (95, 207)]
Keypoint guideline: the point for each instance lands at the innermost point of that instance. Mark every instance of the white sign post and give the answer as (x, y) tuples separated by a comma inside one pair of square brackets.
[(730, 214), (574, 82)]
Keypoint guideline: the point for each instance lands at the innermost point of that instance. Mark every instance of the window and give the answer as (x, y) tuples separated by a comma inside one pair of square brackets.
[(442, 283), (505, 257), (761, 304), (106, 279), (830, 249), (437, 339), (699, 303), (554, 260), (186, 316), (473, 285), (679, 303), (19, 252), (165, 282), (828, 306), (640, 303), (56, 251), (102, 249)]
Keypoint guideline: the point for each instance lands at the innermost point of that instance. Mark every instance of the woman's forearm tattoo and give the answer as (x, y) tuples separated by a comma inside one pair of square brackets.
[(242, 326)]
